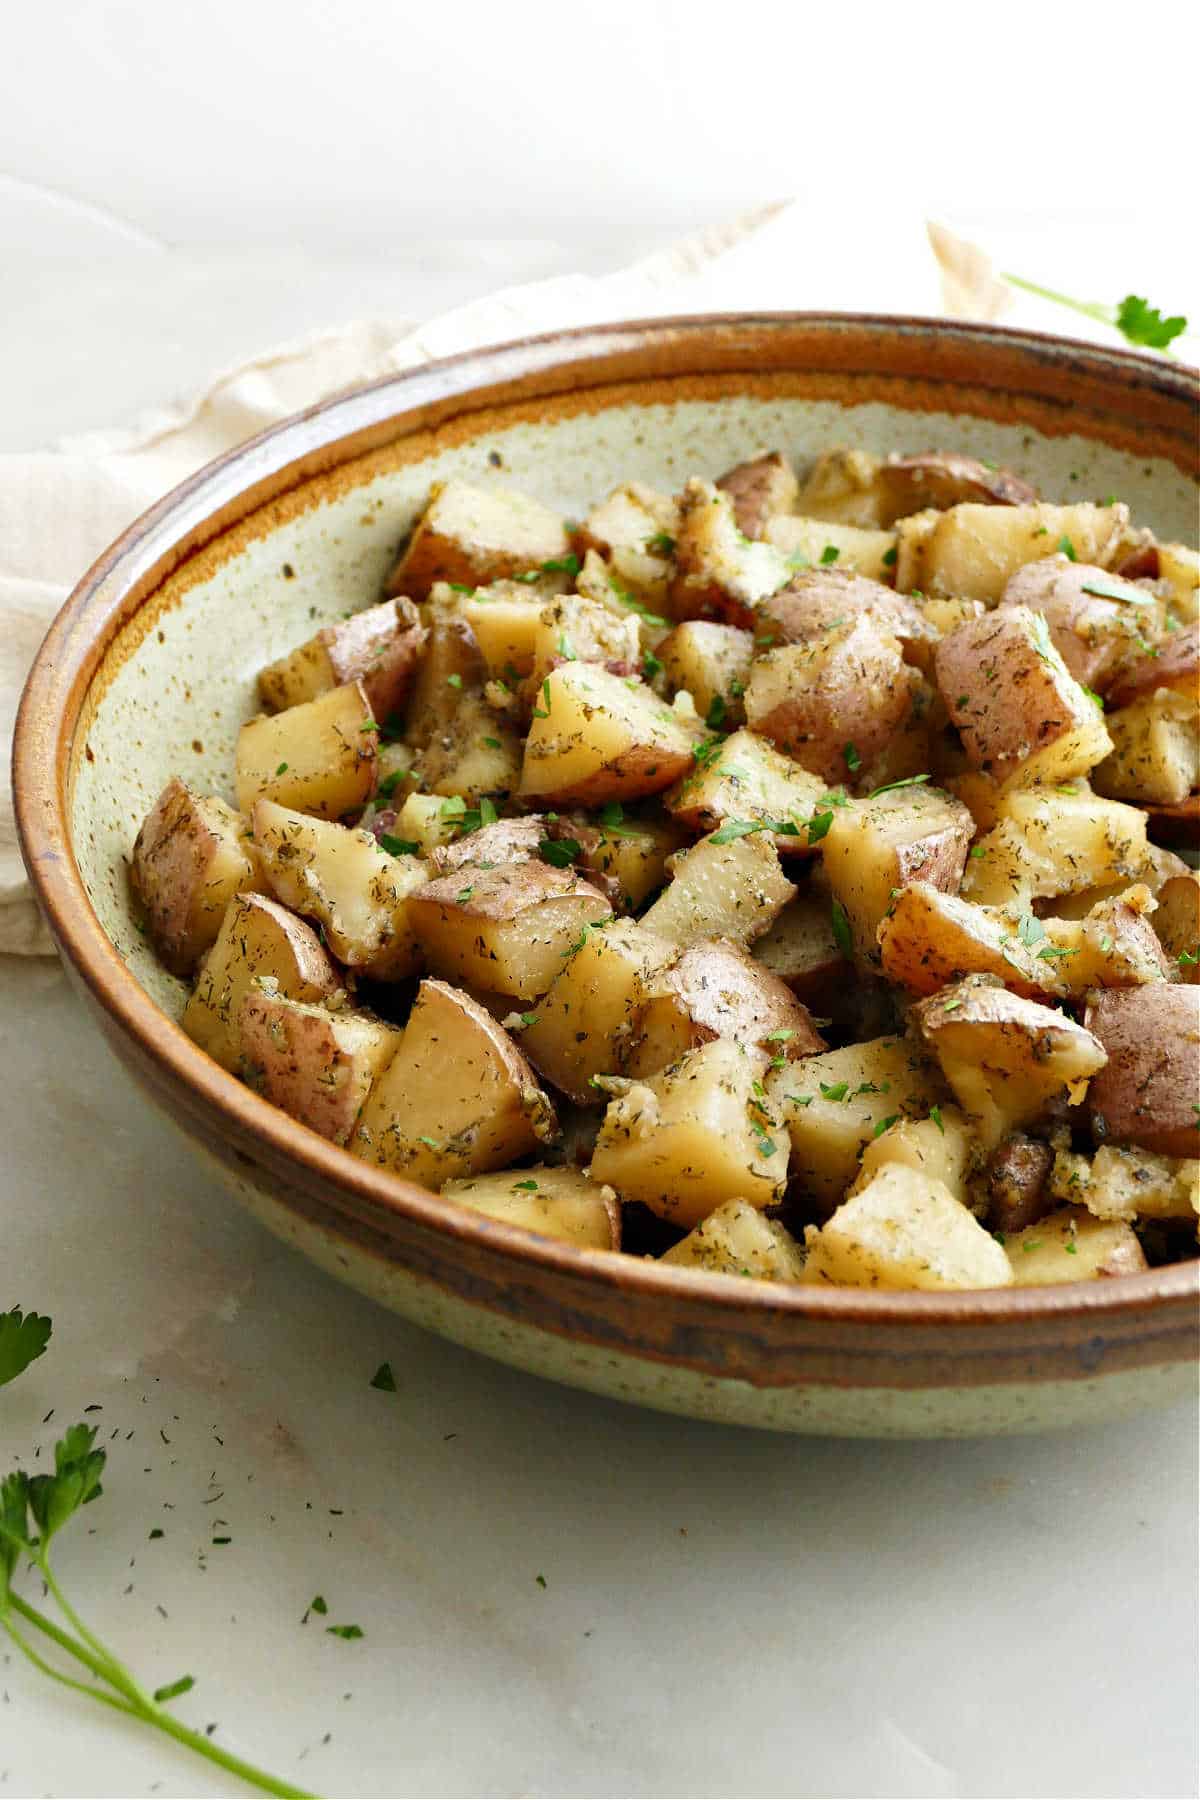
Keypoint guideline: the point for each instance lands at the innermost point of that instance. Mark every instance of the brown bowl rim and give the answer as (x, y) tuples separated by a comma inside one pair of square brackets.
[(94, 612)]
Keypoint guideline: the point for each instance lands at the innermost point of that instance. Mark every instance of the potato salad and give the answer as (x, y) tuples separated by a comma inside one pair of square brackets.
[(780, 878)]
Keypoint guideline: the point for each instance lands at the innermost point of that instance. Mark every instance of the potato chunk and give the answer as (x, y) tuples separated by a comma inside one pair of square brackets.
[(941, 1147), (583, 1022), (760, 488), (505, 929), (458, 1098), (1006, 1058), (735, 1239), (817, 601), (844, 486), (258, 940), (904, 1230), (596, 736), (695, 1136), (319, 757), (801, 950), (1125, 1183), (1010, 694), (1173, 662), (940, 480), (557, 1203), (380, 647), (814, 541), (746, 778), (503, 618), (972, 551), (1149, 1093), (1155, 756), (836, 1103), (834, 701), (192, 855), (875, 847), (719, 573), (711, 990), (316, 1064), (1051, 841), (634, 529), (1094, 619), (573, 628), (1177, 924), (929, 939), (713, 663), (361, 894), (1072, 1246), (631, 853), (728, 890), (1179, 567), (472, 535)]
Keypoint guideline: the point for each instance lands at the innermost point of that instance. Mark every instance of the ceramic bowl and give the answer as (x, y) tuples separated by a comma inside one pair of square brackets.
[(149, 671)]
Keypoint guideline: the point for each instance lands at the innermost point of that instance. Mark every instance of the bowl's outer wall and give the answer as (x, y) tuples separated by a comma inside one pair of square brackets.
[(167, 693)]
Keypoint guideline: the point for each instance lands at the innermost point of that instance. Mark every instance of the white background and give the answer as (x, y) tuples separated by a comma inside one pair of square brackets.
[(180, 185)]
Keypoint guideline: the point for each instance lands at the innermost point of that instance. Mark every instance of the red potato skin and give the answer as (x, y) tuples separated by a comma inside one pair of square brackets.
[(817, 600), (716, 976), (759, 489), (815, 722), (1077, 620), (1177, 665), (507, 841), (940, 480), (1006, 701), (286, 1048), (171, 854), (380, 647), (1178, 824), (1148, 1091)]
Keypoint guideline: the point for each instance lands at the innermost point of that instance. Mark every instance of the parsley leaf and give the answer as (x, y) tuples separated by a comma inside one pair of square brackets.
[(841, 929), (853, 759), (23, 1338), (560, 853), (737, 828), (1067, 547), (384, 1380), (715, 716), (399, 846), (1106, 588), (830, 553), (889, 787), (1137, 321), (661, 544)]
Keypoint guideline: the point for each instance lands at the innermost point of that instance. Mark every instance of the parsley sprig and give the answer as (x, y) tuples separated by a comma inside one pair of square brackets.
[(1134, 317), (33, 1510), (23, 1337)]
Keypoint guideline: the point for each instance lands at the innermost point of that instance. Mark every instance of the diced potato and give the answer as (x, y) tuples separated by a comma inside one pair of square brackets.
[(810, 541), (599, 581), (1013, 699), (631, 852), (971, 551), (1096, 620), (505, 928), (904, 1230), (575, 629), (744, 777), (710, 990), (557, 1203), (834, 701), (843, 486), (1051, 841), (1180, 569), (504, 841), (928, 939), (875, 847), (504, 618), (719, 574), (458, 1098), (429, 821), (979, 794), (316, 1064), (731, 890), (1155, 756), (361, 895), (1006, 1058), (192, 855), (836, 1103), (713, 663), (319, 757), (258, 940), (735, 1239), (1148, 1092), (380, 647), (1114, 946), (1172, 662), (819, 600), (1072, 1246), (695, 1136), (1018, 1183), (451, 667), (1124, 1183), (472, 535), (941, 1147), (480, 754), (1177, 923), (941, 480), (583, 1022), (634, 529), (801, 950), (596, 736), (759, 489), (912, 541)]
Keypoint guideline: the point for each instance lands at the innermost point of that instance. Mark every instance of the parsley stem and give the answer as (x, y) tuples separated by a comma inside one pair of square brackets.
[(80, 1652), (1092, 309), (107, 1664), (225, 1759), (80, 1687)]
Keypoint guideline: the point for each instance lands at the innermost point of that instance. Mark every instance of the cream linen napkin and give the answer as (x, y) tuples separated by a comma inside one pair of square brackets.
[(59, 508)]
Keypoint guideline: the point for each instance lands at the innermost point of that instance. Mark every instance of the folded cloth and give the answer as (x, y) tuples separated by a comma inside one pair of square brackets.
[(60, 508)]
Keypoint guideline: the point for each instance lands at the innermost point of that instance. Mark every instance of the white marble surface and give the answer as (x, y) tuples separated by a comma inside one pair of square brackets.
[(722, 1613)]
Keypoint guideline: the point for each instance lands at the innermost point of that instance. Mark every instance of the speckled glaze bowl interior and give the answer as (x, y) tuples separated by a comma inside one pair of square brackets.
[(150, 671)]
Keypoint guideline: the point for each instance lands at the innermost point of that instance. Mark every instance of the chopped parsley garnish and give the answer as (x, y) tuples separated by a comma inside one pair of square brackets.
[(398, 846), (537, 711), (454, 681), (529, 1186), (830, 553), (1093, 696), (884, 1124), (1030, 930), (612, 817), (737, 828), (1107, 589), (389, 784), (715, 716), (282, 769), (889, 557), (889, 787), (935, 1113), (1067, 548), (634, 604), (492, 743), (560, 853), (562, 565), (385, 1381), (651, 666), (661, 544), (818, 825), (836, 1090), (345, 1631), (853, 759), (465, 894), (842, 936)]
